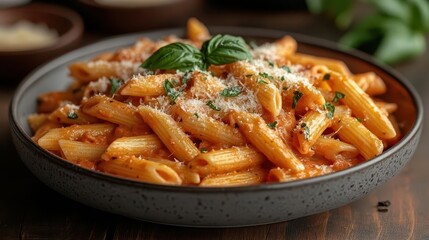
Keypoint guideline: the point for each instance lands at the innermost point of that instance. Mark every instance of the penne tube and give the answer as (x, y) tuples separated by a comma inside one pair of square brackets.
[(205, 86), (267, 141), (350, 130), (136, 145), (151, 85), (227, 160), (97, 132), (71, 114), (50, 101), (136, 53), (334, 149), (196, 31), (363, 106), (370, 82), (90, 71), (309, 128), (283, 175), (386, 108), (179, 144), (36, 120), (209, 129), (186, 174), (267, 93), (309, 97), (240, 178), (76, 151), (142, 170), (330, 63), (113, 111)]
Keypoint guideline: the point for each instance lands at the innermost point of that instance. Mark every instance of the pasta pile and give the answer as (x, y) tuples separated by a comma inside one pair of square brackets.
[(277, 116)]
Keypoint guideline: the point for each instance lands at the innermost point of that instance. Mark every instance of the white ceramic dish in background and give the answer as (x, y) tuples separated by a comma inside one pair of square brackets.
[(220, 206)]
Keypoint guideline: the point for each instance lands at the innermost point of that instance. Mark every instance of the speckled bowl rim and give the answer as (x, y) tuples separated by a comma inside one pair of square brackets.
[(244, 31)]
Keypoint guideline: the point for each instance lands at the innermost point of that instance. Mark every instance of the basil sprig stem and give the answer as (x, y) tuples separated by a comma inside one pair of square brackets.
[(219, 50)]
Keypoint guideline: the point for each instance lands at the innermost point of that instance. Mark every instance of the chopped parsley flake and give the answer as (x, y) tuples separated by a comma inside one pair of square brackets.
[(266, 75), (260, 81), (296, 96), (231, 92), (270, 63), (286, 68), (338, 96), (272, 125), (171, 92), (285, 88), (253, 45), (115, 84), (330, 108), (212, 106), (248, 75), (72, 115), (327, 76), (282, 78), (306, 131), (359, 119), (196, 115), (186, 78), (204, 150)]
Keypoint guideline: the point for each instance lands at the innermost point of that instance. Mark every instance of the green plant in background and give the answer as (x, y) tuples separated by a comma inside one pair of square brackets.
[(393, 31)]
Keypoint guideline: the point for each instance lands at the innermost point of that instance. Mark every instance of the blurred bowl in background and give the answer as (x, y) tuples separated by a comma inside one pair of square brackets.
[(123, 16), (31, 21)]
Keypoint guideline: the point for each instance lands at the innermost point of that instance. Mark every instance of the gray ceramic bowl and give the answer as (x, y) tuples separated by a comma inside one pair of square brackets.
[(213, 207)]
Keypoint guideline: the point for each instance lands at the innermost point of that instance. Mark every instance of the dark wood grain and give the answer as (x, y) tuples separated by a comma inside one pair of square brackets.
[(30, 210)]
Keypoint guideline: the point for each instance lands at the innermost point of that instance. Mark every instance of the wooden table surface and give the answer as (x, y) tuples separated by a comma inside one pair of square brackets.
[(30, 210)]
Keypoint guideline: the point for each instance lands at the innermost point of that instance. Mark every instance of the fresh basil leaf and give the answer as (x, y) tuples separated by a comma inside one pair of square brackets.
[(342, 10), (419, 11), (393, 8), (224, 49), (231, 92), (330, 108), (177, 55), (296, 96), (170, 91), (400, 43)]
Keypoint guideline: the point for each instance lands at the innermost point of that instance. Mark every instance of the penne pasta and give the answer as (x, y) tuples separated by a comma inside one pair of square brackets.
[(209, 129), (142, 170), (170, 133), (309, 129), (242, 178), (151, 85), (363, 106), (76, 151), (135, 145), (227, 160), (267, 141), (215, 111), (350, 130)]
